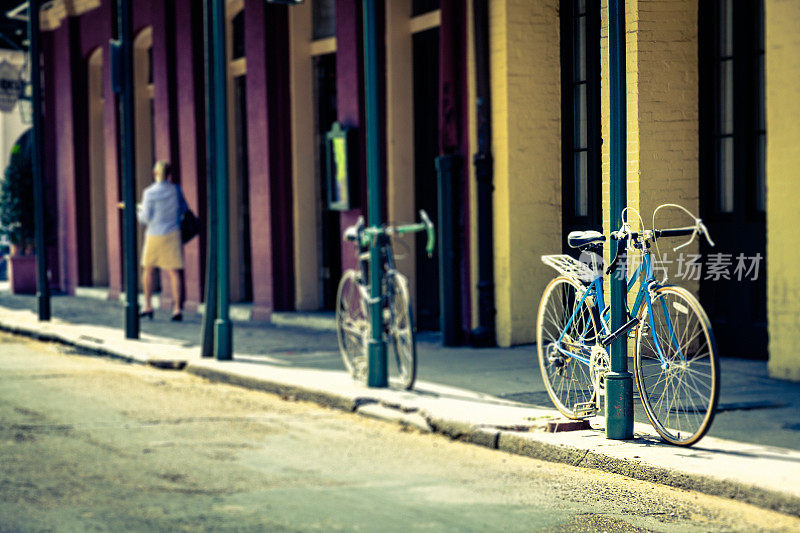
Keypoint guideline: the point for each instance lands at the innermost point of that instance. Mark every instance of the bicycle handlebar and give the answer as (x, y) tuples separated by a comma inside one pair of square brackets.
[(360, 234), (624, 234)]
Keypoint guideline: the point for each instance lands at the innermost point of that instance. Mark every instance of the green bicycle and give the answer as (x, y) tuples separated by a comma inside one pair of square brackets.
[(353, 326)]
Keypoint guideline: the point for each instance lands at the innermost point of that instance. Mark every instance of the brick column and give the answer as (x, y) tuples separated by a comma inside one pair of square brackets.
[(526, 128), (65, 155), (782, 18)]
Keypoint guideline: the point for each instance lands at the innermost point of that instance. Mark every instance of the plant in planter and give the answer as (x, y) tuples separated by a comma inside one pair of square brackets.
[(16, 215)]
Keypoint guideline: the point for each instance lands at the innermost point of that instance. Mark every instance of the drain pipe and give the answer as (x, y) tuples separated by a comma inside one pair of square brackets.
[(484, 334)]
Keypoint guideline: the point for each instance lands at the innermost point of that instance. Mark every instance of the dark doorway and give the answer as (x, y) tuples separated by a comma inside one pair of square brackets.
[(242, 229), (580, 118), (426, 148), (330, 234), (732, 184)]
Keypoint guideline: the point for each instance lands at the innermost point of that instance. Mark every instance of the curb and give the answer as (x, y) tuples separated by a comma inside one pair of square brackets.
[(519, 441)]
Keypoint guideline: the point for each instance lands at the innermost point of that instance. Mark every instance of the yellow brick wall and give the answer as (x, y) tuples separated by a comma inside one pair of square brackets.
[(782, 25), (632, 113), (662, 113), (668, 116), (526, 129)]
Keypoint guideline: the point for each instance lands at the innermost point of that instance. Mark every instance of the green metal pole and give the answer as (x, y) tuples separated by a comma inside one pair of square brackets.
[(223, 345), (42, 284), (377, 374), (209, 318), (619, 382), (125, 32)]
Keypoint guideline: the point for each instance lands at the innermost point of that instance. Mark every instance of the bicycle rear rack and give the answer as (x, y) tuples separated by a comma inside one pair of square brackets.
[(570, 267)]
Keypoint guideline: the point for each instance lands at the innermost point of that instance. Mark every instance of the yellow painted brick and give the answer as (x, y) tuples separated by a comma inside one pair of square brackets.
[(782, 70), (527, 149)]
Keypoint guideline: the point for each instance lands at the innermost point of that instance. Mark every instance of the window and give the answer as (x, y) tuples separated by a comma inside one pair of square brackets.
[(723, 127), (237, 35), (420, 7), (737, 126), (324, 18), (580, 77)]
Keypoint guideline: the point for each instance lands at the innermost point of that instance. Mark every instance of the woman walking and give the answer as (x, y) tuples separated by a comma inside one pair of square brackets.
[(161, 209)]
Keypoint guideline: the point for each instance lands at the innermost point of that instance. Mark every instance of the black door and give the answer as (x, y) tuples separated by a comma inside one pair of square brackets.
[(242, 231), (330, 235), (732, 184), (580, 122), (426, 148)]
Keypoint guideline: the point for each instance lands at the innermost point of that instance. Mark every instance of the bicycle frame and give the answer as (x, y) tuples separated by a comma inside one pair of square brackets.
[(600, 318)]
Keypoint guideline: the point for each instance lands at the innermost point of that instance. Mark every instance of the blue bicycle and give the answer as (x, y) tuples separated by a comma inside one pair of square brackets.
[(675, 358)]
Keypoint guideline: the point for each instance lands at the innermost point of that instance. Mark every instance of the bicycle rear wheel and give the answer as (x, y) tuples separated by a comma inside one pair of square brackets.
[(680, 392), (401, 329), (567, 379), (352, 325)]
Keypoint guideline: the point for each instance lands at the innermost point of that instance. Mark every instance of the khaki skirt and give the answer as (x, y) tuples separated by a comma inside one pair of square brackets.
[(163, 251)]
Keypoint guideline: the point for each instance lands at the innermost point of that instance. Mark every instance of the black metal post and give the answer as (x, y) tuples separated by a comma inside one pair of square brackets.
[(207, 349), (484, 334), (42, 283), (127, 139), (448, 168)]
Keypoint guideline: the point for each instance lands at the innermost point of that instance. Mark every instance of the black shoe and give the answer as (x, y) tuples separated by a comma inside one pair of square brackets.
[(148, 314), (177, 317)]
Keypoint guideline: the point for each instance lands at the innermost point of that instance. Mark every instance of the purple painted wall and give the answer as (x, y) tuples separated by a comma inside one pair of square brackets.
[(66, 120), (269, 157), (350, 98), (179, 131), (191, 163)]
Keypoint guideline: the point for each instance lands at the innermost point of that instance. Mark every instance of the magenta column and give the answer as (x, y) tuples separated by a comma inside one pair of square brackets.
[(269, 157), (350, 98), (65, 157)]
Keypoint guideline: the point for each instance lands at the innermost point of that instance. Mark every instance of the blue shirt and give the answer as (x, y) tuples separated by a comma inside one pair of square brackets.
[(161, 208)]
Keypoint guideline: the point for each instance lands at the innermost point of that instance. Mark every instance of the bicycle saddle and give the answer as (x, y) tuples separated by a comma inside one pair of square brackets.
[(351, 234), (576, 239)]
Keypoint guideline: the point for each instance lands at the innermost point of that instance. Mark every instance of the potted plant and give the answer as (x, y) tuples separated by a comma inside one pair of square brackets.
[(16, 216)]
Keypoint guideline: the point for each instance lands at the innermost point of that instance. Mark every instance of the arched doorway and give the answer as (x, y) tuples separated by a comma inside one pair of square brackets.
[(143, 111), (97, 174)]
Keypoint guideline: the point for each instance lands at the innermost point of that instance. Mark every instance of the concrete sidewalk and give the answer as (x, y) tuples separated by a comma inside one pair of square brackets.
[(491, 397)]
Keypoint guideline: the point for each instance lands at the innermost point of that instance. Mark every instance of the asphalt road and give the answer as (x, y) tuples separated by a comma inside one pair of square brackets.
[(90, 444)]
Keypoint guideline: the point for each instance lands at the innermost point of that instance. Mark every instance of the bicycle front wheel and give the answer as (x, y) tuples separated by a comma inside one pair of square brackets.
[(567, 379), (352, 325), (401, 328), (677, 366)]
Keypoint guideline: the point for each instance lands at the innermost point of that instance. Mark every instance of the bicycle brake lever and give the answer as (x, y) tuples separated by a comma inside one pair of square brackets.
[(704, 229)]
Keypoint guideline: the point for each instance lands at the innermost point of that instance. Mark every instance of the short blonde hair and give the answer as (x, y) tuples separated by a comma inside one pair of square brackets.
[(163, 170)]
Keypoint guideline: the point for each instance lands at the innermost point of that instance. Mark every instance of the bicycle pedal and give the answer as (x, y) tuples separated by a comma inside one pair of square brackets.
[(584, 410)]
